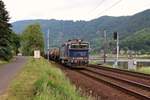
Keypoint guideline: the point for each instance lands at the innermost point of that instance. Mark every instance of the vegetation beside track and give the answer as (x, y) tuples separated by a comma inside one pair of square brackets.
[(145, 70), (39, 80), (3, 62)]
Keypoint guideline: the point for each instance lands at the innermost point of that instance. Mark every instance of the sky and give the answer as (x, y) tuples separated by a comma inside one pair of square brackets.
[(72, 9)]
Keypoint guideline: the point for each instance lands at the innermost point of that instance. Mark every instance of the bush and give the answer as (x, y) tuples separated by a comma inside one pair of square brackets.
[(5, 53)]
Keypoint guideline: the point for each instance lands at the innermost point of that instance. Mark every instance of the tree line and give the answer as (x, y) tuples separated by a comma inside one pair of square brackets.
[(12, 43), (9, 41)]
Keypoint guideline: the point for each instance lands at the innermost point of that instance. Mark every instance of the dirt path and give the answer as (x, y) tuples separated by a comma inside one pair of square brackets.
[(8, 71)]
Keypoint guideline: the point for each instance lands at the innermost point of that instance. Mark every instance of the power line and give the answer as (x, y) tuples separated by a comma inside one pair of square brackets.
[(92, 10), (99, 4), (116, 3)]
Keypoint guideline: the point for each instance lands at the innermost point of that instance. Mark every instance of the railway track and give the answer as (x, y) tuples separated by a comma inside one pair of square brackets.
[(136, 74), (137, 89)]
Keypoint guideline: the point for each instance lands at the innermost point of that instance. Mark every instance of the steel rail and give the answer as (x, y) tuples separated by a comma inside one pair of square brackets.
[(122, 88), (126, 72)]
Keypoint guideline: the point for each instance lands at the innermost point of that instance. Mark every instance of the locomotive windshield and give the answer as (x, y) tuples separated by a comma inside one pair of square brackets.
[(79, 45), (78, 53)]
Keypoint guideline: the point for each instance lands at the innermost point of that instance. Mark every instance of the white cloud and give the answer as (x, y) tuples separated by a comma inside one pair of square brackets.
[(72, 9)]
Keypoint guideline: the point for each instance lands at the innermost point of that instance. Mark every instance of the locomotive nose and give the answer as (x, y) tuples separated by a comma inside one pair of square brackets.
[(79, 60)]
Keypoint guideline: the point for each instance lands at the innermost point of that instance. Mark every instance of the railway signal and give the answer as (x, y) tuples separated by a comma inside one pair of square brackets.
[(115, 35)]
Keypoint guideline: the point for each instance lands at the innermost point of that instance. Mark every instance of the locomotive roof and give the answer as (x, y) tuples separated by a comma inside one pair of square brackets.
[(75, 41)]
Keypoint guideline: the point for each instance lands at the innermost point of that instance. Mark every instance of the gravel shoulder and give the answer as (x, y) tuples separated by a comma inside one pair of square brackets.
[(8, 72)]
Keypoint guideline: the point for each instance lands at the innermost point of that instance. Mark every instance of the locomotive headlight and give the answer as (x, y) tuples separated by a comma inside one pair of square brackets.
[(75, 61), (71, 61), (80, 40)]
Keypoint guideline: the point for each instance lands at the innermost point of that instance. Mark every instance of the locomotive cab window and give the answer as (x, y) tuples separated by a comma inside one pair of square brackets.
[(78, 53), (79, 46)]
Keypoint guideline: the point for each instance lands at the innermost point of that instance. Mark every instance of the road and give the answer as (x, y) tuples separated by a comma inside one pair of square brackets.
[(8, 72)]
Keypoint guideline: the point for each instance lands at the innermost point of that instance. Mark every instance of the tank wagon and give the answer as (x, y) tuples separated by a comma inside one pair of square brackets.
[(72, 53), (54, 54)]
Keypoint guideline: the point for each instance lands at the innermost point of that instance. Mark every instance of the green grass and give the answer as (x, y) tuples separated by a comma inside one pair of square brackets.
[(39, 80), (94, 62), (145, 70), (3, 62), (107, 65)]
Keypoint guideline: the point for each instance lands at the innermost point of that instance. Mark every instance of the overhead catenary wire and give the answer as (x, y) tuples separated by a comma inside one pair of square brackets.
[(113, 5), (99, 4), (90, 12)]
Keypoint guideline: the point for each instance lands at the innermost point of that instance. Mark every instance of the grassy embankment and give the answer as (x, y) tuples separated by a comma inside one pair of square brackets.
[(39, 80)]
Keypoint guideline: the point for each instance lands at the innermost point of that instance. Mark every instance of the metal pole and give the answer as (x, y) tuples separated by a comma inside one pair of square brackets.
[(116, 36), (104, 46), (117, 49), (48, 45)]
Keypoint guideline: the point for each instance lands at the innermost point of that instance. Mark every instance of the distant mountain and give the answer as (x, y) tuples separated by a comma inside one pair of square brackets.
[(92, 31)]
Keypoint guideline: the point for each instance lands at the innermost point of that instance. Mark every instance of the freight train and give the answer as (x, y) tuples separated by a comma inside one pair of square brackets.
[(74, 53)]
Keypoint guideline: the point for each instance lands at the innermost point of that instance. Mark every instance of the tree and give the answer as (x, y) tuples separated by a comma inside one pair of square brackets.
[(32, 39), (15, 43), (5, 34)]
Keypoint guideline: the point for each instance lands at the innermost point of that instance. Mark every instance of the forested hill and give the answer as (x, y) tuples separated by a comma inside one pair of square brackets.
[(140, 40), (89, 30), (124, 24)]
